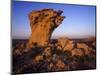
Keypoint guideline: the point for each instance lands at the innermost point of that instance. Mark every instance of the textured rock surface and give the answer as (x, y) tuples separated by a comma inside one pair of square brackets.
[(66, 44), (60, 64), (77, 52), (42, 24), (85, 47), (51, 58)]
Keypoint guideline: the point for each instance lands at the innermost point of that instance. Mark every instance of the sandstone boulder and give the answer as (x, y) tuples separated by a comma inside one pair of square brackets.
[(78, 52), (65, 44), (85, 47), (42, 23), (47, 52), (38, 58), (60, 64)]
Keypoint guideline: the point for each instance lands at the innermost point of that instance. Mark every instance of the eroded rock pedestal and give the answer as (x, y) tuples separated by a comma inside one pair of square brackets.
[(43, 23)]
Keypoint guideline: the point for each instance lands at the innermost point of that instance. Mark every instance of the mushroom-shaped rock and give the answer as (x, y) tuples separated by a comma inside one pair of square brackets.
[(42, 23)]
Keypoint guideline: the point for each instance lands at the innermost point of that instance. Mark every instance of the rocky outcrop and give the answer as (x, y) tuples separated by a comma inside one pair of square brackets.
[(52, 58), (42, 23)]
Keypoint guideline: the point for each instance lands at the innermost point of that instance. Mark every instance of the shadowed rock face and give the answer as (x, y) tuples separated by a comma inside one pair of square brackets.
[(43, 23)]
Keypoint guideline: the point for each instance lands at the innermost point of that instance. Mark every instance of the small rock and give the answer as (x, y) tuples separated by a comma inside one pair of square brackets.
[(77, 52), (60, 64), (65, 44), (85, 47), (38, 58)]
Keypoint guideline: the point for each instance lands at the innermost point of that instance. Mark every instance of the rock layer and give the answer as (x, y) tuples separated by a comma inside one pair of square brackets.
[(43, 23)]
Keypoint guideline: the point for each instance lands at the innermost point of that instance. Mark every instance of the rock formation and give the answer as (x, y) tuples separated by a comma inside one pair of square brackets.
[(42, 23)]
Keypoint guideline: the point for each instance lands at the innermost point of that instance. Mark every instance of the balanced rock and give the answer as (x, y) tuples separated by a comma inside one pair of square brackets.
[(42, 23)]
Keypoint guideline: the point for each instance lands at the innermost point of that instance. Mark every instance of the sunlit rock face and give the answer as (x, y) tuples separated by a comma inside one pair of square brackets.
[(42, 23), (85, 47), (78, 52), (65, 44)]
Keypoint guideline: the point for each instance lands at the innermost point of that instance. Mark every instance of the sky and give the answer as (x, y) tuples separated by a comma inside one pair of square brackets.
[(80, 20)]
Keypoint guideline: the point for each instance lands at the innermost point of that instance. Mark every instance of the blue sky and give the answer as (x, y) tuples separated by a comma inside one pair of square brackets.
[(79, 22)]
